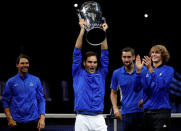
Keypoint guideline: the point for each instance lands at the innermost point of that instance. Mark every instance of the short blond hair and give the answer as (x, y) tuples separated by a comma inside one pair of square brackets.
[(163, 50)]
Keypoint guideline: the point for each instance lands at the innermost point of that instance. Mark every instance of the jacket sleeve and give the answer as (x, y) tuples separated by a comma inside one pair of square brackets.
[(161, 80), (7, 95), (40, 98), (139, 80), (77, 60), (114, 81), (104, 61)]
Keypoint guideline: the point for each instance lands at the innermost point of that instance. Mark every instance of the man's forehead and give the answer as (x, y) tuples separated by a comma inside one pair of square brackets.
[(156, 50), (128, 53), (23, 59), (92, 58)]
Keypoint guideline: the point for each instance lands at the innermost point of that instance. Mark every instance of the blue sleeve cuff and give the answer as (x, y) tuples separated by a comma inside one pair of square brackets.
[(104, 52), (77, 51)]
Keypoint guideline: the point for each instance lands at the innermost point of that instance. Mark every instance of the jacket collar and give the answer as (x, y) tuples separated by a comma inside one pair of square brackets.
[(18, 74)]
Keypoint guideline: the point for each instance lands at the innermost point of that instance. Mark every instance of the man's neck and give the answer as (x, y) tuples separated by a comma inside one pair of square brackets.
[(157, 64), (22, 74), (130, 68)]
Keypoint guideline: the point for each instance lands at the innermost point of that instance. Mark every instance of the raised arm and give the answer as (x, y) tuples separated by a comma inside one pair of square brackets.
[(79, 40), (104, 45), (139, 64), (140, 70)]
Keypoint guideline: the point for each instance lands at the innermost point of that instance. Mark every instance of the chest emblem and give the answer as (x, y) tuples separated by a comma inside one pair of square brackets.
[(147, 75), (31, 84), (15, 84)]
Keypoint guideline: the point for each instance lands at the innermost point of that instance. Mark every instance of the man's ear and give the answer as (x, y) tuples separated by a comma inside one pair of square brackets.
[(83, 63), (134, 57), (17, 65)]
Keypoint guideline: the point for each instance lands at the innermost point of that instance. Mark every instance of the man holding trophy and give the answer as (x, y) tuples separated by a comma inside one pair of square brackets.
[(89, 83)]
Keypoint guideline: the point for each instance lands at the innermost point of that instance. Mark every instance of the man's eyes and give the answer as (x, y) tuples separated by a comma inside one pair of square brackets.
[(126, 56), (92, 61), (24, 63)]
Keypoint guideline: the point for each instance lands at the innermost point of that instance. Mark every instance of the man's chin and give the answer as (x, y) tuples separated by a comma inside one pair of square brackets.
[(92, 71), (155, 61), (24, 72), (128, 65)]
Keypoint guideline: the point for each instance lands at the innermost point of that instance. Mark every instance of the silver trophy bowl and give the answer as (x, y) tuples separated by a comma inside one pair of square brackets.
[(91, 12)]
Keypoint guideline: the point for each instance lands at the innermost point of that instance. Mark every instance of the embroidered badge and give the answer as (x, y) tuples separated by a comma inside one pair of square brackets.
[(31, 84)]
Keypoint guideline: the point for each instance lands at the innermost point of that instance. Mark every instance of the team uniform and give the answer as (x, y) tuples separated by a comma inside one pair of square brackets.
[(24, 97), (156, 102), (89, 91), (132, 116)]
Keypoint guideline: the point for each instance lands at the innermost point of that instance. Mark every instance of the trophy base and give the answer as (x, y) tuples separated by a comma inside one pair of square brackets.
[(95, 36)]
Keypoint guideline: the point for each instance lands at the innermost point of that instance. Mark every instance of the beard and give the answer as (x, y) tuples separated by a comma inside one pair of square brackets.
[(128, 65)]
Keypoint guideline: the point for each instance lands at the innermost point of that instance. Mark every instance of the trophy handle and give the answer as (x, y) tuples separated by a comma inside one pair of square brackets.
[(80, 17), (104, 19), (78, 13)]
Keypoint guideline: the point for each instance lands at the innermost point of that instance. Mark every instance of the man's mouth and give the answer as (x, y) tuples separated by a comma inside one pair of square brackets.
[(25, 68), (92, 69), (127, 63), (154, 58)]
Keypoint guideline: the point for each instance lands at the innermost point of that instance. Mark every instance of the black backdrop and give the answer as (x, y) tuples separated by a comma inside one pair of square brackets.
[(47, 31)]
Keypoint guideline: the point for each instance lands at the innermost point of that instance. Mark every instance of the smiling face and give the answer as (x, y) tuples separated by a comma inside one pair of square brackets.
[(156, 56), (23, 66), (159, 55), (91, 64)]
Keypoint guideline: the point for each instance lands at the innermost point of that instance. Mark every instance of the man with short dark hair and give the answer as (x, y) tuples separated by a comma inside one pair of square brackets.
[(23, 99), (89, 85), (122, 79)]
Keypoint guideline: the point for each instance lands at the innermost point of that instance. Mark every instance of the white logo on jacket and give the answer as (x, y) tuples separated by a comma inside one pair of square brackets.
[(147, 75), (16, 84), (31, 84)]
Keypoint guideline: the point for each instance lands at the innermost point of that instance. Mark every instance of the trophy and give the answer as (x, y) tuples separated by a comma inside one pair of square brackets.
[(91, 12)]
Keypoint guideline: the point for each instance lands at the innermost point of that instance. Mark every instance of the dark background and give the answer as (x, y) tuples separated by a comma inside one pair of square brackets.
[(47, 31)]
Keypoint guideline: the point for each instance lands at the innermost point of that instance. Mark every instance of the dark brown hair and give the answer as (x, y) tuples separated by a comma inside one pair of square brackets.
[(128, 49), (88, 54), (22, 56)]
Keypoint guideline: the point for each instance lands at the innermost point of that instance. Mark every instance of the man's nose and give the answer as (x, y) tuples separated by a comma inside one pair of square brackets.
[(153, 53), (26, 65), (126, 58), (92, 64)]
